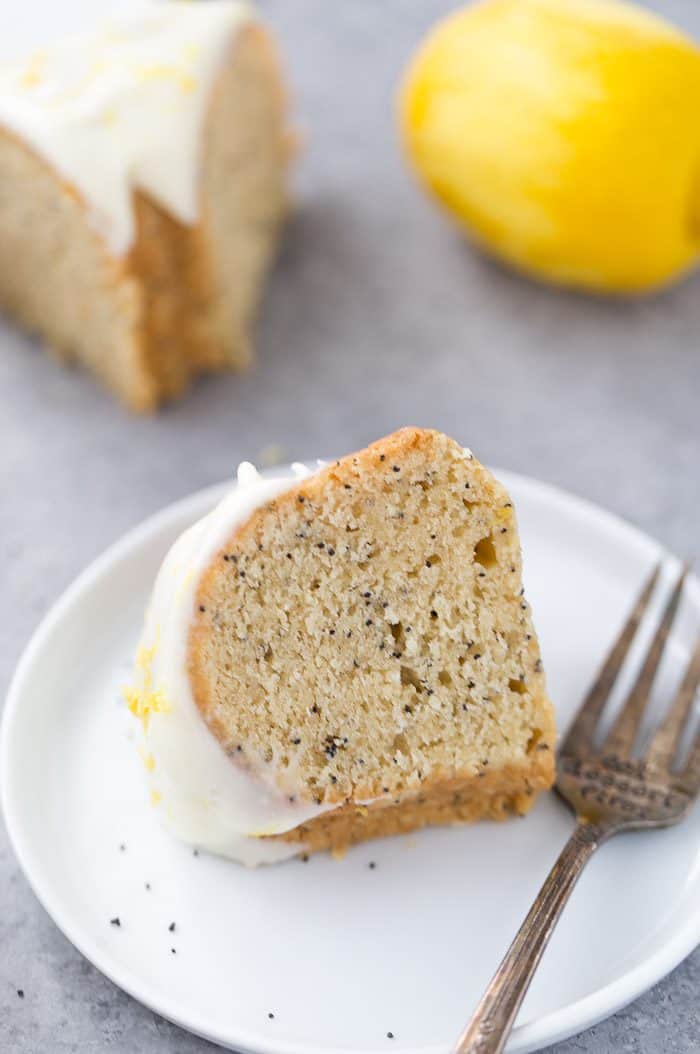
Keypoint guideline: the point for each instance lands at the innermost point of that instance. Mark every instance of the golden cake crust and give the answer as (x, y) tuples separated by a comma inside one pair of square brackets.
[(510, 790)]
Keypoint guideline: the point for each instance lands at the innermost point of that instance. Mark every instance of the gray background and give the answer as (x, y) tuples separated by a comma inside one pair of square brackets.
[(378, 315)]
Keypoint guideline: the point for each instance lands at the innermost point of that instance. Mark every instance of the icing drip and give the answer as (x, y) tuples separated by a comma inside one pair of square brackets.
[(124, 107), (204, 796)]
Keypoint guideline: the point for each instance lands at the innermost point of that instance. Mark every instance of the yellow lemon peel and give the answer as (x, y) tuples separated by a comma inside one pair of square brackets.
[(145, 657), (163, 71), (149, 761), (142, 704), (145, 700), (563, 137), (31, 77)]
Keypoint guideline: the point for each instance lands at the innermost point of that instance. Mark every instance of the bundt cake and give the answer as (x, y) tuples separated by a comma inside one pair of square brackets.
[(142, 187), (342, 655)]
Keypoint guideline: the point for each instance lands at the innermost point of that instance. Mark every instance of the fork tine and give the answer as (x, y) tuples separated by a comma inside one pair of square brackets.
[(579, 738), (621, 738), (666, 740), (690, 776)]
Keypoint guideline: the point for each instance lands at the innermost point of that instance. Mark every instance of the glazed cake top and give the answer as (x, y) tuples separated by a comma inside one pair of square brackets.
[(123, 107)]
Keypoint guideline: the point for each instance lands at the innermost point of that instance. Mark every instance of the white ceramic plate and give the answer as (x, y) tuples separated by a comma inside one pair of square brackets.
[(339, 952)]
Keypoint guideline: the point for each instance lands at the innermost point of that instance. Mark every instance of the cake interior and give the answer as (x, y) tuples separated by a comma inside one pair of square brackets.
[(366, 637)]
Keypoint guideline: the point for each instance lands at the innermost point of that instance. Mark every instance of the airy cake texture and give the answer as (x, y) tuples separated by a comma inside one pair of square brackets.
[(361, 642), (151, 292)]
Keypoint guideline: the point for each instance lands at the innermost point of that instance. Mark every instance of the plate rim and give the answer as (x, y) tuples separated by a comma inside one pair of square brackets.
[(549, 1028)]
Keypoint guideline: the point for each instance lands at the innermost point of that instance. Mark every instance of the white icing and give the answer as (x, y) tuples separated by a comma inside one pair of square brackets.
[(124, 106), (205, 797)]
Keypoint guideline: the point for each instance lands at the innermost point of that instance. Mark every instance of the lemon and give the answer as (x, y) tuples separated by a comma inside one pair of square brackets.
[(565, 136)]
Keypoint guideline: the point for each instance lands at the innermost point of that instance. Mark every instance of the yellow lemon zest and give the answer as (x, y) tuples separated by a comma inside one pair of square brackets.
[(145, 700), (145, 656), (31, 77), (165, 72), (156, 797), (144, 703), (149, 761)]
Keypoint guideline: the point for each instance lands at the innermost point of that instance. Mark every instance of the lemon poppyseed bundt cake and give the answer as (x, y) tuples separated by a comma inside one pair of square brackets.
[(344, 655), (142, 186)]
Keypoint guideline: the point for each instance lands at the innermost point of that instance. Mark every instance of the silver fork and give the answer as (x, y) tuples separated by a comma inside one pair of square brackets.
[(610, 790)]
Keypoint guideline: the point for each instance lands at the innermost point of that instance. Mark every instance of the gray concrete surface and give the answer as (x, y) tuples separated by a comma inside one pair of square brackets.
[(378, 315)]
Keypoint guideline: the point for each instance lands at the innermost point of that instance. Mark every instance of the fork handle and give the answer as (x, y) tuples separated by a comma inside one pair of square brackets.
[(489, 1028)]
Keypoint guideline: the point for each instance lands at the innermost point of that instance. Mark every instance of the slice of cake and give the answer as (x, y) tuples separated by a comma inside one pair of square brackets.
[(142, 187), (344, 655)]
